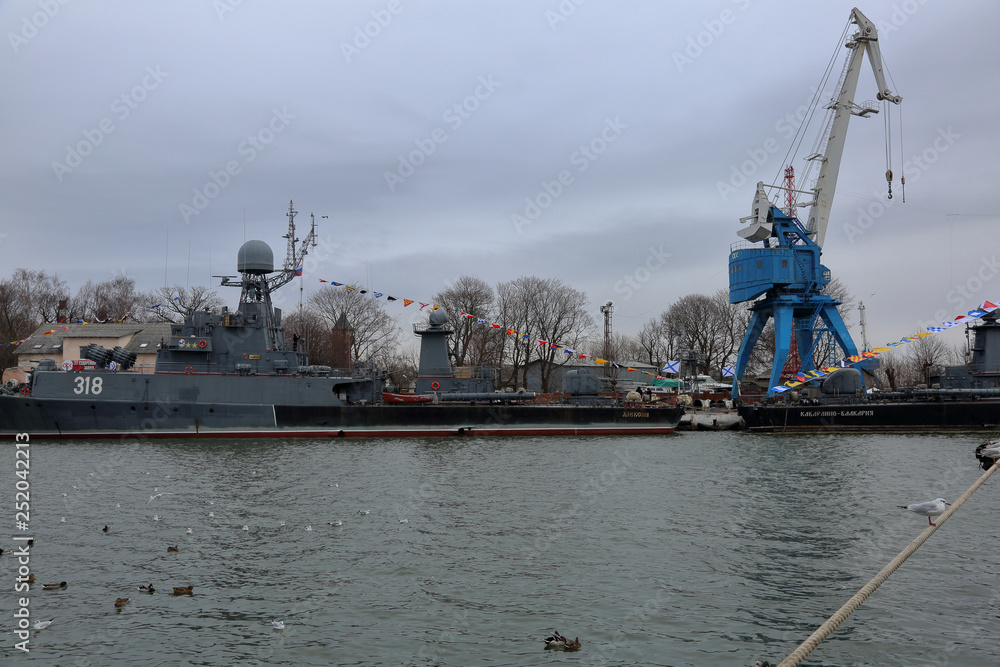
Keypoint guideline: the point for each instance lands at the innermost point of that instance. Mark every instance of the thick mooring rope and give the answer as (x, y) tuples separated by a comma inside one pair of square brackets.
[(825, 630)]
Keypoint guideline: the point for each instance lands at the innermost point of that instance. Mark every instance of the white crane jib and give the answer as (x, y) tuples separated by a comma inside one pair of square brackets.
[(865, 39)]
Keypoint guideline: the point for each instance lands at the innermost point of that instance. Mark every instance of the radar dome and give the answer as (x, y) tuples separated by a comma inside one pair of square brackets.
[(438, 317), (255, 257)]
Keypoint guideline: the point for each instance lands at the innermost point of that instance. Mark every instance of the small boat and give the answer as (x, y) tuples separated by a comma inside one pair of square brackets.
[(390, 397)]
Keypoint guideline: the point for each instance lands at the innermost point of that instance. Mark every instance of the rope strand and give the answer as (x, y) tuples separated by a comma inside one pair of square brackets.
[(825, 630)]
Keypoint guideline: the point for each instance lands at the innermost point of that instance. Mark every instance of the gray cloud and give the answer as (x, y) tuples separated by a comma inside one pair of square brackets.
[(80, 81)]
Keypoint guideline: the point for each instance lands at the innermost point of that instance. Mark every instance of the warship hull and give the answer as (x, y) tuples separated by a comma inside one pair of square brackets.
[(903, 416), (235, 374), (71, 419)]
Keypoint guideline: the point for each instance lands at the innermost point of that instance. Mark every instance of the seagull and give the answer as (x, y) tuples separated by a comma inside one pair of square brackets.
[(278, 625), (404, 521), (991, 450), (246, 527), (62, 520), (41, 625), (928, 509), (152, 498), (281, 524), (156, 517), (189, 531), (309, 527), (338, 522), (211, 515), (363, 512)]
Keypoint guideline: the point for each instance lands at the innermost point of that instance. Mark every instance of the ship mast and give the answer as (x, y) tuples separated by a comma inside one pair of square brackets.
[(293, 257), (256, 262)]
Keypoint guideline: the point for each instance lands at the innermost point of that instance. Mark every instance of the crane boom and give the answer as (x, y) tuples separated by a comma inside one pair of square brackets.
[(864, 40)]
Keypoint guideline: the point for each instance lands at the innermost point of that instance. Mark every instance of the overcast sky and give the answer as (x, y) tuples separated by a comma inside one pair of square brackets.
[(151, 138)]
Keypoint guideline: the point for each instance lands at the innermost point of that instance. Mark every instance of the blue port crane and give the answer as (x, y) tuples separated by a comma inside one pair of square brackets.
[(785, 268)]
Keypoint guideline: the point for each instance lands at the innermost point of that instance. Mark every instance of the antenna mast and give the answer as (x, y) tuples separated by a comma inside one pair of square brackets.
[(864, 328)]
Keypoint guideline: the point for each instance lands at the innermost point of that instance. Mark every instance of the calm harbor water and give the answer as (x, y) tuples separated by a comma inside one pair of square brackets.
[(691, 549)]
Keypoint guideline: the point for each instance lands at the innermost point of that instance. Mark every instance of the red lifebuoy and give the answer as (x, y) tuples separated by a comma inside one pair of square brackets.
[(202, 343), (435, 385), (25, 391), (188, 370)]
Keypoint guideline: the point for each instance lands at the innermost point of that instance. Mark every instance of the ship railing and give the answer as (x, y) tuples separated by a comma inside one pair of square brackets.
[(444, 372)]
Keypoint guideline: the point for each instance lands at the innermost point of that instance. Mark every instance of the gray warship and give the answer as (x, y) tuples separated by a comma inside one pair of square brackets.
[(232, 375), (965, 397)]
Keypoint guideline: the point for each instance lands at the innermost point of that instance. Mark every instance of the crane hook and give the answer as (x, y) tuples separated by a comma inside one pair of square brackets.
[(888, 178)]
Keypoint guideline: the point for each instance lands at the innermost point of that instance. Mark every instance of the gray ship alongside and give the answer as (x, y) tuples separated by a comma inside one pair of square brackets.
[(957, 398), (232, 374)]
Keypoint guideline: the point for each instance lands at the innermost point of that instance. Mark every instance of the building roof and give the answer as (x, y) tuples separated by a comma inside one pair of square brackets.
[(50, 338), (148, 339)]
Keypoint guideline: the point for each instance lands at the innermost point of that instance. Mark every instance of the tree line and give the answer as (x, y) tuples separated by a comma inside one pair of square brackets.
[(546, 308)]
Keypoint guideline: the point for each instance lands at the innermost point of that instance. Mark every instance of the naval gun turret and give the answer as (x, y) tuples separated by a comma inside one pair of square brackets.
[(436, 373)]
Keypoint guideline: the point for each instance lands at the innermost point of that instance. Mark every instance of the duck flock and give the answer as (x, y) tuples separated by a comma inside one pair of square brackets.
[(148, 589), (554, 641)]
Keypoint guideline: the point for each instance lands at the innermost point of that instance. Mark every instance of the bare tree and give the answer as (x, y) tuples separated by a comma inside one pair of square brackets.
[(513, 310), (547, 310), (468, 296), (551, 312), (653, 341), (733, 319), (108, 301), (402, 366), (891, 370), (922, 355), (701, 323), (37, 294), (374, 331), (306, 331), (27, 300), (625, 347), (173, 304)]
